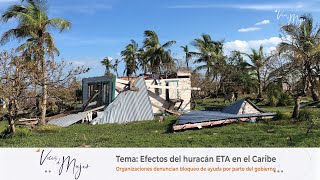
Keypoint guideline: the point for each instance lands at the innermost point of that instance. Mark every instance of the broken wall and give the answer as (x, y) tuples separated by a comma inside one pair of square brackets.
[(158, 96)]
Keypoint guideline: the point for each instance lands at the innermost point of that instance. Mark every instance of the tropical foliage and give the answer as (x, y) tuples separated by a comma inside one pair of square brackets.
[(130, 57), (33, 25), (108, 65), (33, 66), (209, 55), (257, 59), (187, 54), (157, 54)]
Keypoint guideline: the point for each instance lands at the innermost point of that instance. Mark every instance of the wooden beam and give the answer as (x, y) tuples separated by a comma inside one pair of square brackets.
[(172, 87)]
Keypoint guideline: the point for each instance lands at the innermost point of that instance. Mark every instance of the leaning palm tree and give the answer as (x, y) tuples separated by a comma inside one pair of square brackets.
[(257, 59), (156, 53), (187, 54), (108, 65), (33, 25), (209, 55), (130, 57)]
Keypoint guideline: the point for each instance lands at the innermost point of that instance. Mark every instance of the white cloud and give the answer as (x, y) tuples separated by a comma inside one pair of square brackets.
[(261, 7), (88, 62), (110, 58), (267, 7), (250, 29), (78, 63), (262, 22), (245, 46)]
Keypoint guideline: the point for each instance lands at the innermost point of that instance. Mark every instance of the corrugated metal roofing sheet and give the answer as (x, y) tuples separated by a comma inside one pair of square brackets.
[(204, 116), (68, 120), (230, 112), (236, 107), (128, 106)]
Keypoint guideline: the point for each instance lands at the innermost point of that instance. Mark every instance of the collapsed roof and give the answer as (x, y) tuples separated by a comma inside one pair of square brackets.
[(243, 110), (128, 106)]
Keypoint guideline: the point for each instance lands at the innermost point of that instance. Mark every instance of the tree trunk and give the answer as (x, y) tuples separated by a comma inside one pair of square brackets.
[(314, 89), (37, 103), (11, 107), (314, 85), (44, 93), (260, 85), (187, 65), (43, 83), (314, 93), (296, 109), (12, 128)]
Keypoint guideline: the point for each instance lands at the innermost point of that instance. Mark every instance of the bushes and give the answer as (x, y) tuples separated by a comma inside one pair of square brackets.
[(5, 134), (20, 132), (284, 99), (279, 115), (47, 129), (23, 132), (276, 97), (311, 118), (307, 115)]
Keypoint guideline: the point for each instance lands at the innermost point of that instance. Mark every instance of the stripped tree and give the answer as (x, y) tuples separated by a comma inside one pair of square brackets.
[(33, 24)]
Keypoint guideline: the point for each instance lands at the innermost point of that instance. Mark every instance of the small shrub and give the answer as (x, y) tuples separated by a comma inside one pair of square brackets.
[(279, 115), (5, 134), (276, 97), (306, 115), (284, 99), (47, 129), (272, 95), (23, 132)]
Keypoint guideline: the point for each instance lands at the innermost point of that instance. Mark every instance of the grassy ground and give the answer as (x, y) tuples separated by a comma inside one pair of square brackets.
[(275, 133)]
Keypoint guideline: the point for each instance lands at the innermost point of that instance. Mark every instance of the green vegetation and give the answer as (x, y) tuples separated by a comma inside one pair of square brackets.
[(274, 133), (33, 25), (279, 81)]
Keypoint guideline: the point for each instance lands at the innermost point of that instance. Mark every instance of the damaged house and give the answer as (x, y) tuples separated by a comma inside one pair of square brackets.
[(110, 100)]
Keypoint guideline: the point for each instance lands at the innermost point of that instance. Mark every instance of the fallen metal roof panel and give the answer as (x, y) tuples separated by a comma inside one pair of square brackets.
[(236, 107), (68, 120), (204, 116), (128, 106)]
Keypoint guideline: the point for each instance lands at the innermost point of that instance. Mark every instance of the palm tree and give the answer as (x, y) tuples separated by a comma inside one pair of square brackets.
[(143, 61), (107, 63), (33, 24), (210, 53), (257, 59), (130, 57), (187, 54), (155, 53), (303, 49), (115, 66)]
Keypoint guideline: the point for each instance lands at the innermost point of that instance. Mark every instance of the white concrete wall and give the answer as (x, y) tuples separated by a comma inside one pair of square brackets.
[(184, 92), (159, 99)]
